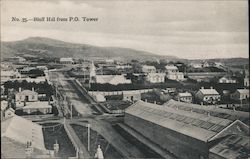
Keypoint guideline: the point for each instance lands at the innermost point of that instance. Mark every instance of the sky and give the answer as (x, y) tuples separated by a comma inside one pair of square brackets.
[(185, 28)]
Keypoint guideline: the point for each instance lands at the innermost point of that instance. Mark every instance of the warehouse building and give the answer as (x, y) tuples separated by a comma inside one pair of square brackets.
[(185, 134)]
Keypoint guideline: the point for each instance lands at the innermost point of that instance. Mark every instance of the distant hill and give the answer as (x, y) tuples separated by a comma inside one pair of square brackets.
[(46, 47)]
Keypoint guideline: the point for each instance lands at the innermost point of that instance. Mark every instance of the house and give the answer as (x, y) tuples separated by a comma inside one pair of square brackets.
[(37, 108), (173, 73), (111, 79), (185, 97), (155, 77), (196, 65), (131, 95), (66, 60), (171, 68), (148, 69), (190, 134), (99, 97), (16, 132), (9, 113), (207, 96), (9, 75), (240, 94), (227, 79), (26, 96), (15, 59)]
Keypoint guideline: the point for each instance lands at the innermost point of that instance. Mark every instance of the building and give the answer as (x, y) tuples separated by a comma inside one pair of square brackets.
[(246, 78), (4, 107), (148, 69), (155, 77), (227, 79), (9, 113), (99, 97), (15, 59), (240, 94), (9, 75), (111, 79), (40, 108), (185, 97), (196, 65), (212, 110), (26, 96), (173, 73), (66, 60), (16, 133), (207, 96), (131, 95), (185, 134)]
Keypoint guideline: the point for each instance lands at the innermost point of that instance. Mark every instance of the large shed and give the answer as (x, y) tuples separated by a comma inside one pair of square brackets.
[(185, 134)]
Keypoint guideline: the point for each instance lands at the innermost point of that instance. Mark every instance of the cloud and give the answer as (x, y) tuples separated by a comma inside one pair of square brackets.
[(189, 29)]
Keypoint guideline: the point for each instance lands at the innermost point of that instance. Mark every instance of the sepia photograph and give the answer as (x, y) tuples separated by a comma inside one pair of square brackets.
[(117, 79)]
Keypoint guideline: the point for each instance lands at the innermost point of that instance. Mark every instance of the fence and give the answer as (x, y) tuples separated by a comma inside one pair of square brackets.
[(72, 141)]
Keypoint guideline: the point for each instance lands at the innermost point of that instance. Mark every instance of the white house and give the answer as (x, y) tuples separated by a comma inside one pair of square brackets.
[(26, 95), (131, 95), (66, 60), (9, 75), (112, 79), (227, 79), (173, 73), (156, 77), (240, 94), (148, 69), (185, 97), (207, 96)]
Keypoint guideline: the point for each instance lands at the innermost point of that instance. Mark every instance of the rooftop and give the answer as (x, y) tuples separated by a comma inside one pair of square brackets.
[(112, 79), (171, 67), (185, 94), (21, 130), (196, 125), (243, 91), (37, 105), (209, 91), (216, 112)]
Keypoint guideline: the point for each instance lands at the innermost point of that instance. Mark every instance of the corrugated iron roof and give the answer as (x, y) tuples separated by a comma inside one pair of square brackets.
[(196, 125)]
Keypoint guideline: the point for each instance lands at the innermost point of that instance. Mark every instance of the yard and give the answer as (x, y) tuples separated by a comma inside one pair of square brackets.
[(96, 139), (51, 135)]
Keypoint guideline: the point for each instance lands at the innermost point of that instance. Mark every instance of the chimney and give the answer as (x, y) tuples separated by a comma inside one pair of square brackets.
[(191, 110), (233, 108), (33, 89), (154, 102), (202, 103), (211, 87), (177, 108), (208, 113), (146, 100), (20, 89), (202, 87)]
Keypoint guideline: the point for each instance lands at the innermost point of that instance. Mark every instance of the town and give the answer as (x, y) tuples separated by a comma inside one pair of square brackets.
[(112, 108)]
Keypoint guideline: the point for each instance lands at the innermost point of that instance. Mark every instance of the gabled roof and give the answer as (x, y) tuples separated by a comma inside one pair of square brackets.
[(196, 125), (243, 91), (185, 94), (27, 92), (216, 112), (236, 144), (112, 79), (171, 67), (148, 67), (156, 74), (209, 91), (22, 130)]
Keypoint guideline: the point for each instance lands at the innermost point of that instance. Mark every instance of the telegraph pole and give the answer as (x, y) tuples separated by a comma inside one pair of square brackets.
[(88, 125)]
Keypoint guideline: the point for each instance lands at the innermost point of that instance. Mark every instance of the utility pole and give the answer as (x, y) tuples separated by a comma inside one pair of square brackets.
[(88, 125), (71, 106)]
